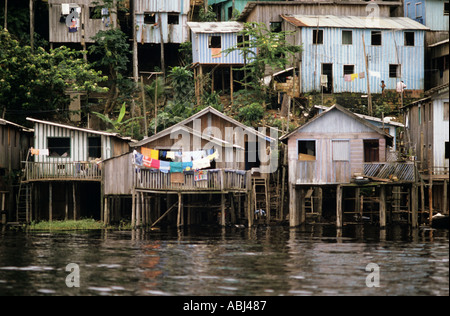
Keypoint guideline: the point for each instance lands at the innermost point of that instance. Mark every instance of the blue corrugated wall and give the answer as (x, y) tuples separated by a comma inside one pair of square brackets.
[(392, 51)]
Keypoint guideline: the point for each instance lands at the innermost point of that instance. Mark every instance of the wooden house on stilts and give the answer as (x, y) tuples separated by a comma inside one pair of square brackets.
[(201, 168), (65, 164), (211, 58), (14, 143), (337, 161)]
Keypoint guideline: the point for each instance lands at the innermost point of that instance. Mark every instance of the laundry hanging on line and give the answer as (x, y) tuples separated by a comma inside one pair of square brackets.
[(143, 160)]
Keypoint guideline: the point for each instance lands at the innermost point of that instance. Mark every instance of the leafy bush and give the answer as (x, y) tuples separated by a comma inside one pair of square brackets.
[(251, 114)]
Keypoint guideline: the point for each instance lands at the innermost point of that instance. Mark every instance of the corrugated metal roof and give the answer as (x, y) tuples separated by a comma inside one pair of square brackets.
[(86, 130), (358, 22), (216, 27)]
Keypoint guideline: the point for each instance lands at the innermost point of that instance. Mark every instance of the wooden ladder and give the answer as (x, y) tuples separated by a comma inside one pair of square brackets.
[(24, 203), (261, 196)]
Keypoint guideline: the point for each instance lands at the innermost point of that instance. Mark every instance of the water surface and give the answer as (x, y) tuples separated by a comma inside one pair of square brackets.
[(273, 261)]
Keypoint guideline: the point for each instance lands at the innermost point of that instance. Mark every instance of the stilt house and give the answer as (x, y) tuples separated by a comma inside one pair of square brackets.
[(166, 19), (14, 143), (208, 160), (210, 41), (336, 48), (66, 166), (77, 21), (427, 139), (333, 150)]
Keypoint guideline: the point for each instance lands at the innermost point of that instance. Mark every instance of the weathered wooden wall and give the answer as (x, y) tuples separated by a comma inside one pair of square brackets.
[(231, 158), (59, 32), (267, 13), (118, 175), (14, 145), (326, 169)]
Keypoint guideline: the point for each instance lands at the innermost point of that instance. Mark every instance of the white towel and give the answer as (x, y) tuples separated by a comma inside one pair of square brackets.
[(65, 9), (201, 164)]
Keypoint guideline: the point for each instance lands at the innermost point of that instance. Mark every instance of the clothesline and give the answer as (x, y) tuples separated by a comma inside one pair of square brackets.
[(151, 158)]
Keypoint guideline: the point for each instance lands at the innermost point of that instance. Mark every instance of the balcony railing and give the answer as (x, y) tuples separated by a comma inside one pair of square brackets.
[(64, 171), (207, 180)]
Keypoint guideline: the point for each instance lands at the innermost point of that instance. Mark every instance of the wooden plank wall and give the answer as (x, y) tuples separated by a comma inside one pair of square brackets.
[(59, 32), (118, 175)]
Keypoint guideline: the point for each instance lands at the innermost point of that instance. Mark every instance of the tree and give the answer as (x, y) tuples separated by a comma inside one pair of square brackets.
[(182, 104), (113, 51), (261, 48), (37, 82)]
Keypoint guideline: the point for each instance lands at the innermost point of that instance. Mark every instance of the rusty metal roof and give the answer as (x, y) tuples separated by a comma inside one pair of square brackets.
[(216, 27), (354, 22)]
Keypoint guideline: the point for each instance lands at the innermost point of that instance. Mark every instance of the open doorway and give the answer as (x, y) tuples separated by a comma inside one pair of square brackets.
[(327, 70), (371, 150)]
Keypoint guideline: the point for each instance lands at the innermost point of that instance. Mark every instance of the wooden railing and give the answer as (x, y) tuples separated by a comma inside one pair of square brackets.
[(315, 172), (400, 171), (81, 171), (212, 180)]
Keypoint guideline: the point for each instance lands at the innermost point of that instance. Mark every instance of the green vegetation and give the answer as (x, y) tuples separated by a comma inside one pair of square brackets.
[(84, 224), (36, 81)]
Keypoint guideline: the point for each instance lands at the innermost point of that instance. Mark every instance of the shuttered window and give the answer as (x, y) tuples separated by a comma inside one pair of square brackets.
[(341, 150)]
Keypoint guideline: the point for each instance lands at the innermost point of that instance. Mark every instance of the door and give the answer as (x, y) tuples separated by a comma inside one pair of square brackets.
[(327, 70), (371, 150)]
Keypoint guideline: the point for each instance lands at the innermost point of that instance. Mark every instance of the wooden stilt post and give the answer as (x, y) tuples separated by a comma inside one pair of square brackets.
[(138, 209), (144, 210), (50, 202), (249, 209), (414, 206), (445, 196), (339, 219), (231, 84), (232, 209), (302, 203), (357, 201), (383, 206), (180, 210), (66, 217), (133, 209), (422, 199), (293, 207), (223, 209), (320, 201), (105, 211), (74, 193)]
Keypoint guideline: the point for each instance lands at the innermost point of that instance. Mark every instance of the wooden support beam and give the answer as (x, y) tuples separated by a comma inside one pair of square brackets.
[(74, 193), (180, 210), (302, 203), (231, 85), (382, 206), (138, 209), (414, 206), (339, 214), (250, 213), (232, 209), (223, 209), (105, 211), (445, 197), (293, 207), (133, 209), (50, 202), (165, 214), (66, 217)]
